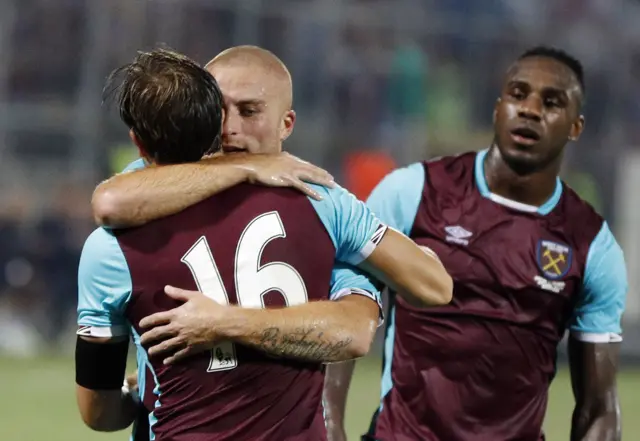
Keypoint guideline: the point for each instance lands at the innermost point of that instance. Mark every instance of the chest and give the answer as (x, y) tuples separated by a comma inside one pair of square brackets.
[(521, 263)]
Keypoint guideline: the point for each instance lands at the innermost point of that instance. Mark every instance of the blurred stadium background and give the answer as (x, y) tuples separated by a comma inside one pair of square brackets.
[(378, 83)]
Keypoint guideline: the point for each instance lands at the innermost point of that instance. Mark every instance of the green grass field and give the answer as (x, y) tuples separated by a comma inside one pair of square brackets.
[(37, 403)]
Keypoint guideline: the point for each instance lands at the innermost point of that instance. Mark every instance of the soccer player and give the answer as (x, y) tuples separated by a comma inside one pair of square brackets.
[(258, 97), (258, 93), (529, 259), (270, 123), (271, 251)]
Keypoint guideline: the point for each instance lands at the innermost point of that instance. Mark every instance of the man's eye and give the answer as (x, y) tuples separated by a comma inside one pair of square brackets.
[(517, 94), (248, 112)]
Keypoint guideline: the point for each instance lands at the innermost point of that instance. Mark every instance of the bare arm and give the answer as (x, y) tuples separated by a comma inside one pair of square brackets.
[(324, 331), (104, 410), (414, 272), (593, 377), (136, 198), (336, 387)]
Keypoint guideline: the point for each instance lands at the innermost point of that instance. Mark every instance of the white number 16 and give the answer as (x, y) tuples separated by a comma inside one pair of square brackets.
[(252, 280)]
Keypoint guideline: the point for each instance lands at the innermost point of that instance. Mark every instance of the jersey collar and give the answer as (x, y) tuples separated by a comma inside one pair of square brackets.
[(483, 188)]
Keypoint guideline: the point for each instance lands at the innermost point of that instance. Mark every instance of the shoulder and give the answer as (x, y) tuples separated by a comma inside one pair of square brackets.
[(444, 171), (466, 159), (102, 256), (400, 185), (582, 221), (605, 259), (332, 194), (412, 176), (574, 204), (101, 242)]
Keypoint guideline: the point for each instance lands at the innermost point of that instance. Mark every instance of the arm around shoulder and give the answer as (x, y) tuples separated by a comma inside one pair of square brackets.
[(136, 198)]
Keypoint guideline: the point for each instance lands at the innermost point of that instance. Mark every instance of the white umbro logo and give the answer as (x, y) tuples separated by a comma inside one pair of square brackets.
[(457, 234)]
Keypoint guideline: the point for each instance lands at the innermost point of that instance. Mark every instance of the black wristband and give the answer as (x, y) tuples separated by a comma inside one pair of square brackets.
[(101, 366)]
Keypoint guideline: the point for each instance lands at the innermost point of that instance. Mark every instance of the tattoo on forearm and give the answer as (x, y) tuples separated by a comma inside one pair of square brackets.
[(303, 343)]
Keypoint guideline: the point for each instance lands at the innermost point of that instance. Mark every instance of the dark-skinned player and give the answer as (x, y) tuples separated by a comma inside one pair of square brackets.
[(530, 260)]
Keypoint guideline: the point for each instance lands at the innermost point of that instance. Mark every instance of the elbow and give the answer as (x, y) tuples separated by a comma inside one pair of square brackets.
[(358, 350), (107, 418), (105, 205), (360, 342), (604, 411), (105, 410), (96, 423)]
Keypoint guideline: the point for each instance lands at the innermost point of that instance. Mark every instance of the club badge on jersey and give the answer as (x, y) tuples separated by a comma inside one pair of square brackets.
[(554, 261)]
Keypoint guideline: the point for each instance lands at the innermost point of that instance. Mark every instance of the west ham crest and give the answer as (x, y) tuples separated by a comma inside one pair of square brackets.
[(554, 259)]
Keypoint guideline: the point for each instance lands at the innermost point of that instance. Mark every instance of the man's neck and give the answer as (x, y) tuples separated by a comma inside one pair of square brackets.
[(532, 188)]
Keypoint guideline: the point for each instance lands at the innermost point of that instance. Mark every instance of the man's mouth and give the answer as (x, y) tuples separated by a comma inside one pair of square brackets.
[(232, 149), (525, 136)]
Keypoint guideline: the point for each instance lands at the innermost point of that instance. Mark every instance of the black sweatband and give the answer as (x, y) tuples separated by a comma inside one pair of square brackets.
[(101, 366)]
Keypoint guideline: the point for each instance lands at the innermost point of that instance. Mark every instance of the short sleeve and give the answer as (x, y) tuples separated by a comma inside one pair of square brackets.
[(104, 287), (396, 199), (347, 280), (354, 230), (597, 317)]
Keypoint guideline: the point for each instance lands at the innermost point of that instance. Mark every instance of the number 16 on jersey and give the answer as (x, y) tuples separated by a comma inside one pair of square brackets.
[(205, 272), (252, 280)]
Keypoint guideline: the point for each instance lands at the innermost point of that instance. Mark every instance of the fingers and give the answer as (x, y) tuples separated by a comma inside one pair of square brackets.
[(171, 345), (314, 177), (286, 170), (180, 355), (158, 333), (304, 188), (178, 293), (157, 319), (310, 173)]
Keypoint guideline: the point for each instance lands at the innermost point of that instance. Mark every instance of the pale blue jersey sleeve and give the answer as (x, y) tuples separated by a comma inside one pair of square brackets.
[(396, 199), (104, 287), (598, 313), (354, 230), (135, 165), (347, 280)]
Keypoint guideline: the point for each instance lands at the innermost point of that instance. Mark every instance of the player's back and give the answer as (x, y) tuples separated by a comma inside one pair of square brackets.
[(251, 246), (483, 363)]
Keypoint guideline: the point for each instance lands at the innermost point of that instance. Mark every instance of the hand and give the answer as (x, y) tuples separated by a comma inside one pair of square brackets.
[(186, 330), (285, 170)]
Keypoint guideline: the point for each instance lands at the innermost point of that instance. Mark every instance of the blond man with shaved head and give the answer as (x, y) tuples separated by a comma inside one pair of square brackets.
[(257, 94)]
